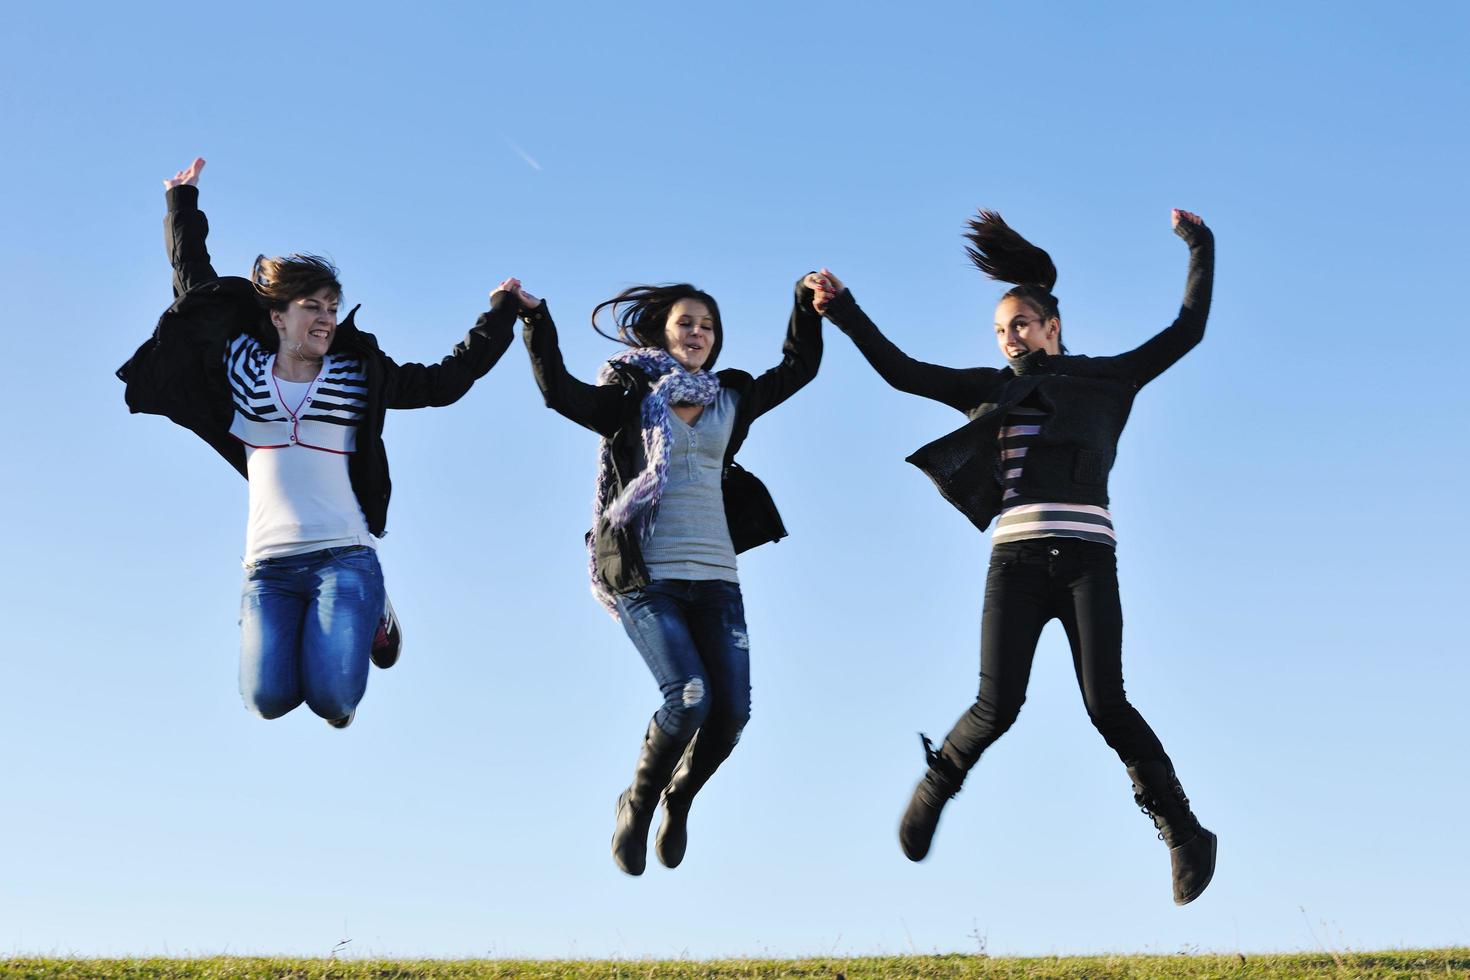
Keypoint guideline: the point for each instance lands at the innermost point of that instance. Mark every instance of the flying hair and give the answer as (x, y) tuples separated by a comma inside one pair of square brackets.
[(639, 314), (280, 279), (1001, 253)]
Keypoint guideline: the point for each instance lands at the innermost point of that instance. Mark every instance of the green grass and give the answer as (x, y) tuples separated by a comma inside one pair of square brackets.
[(1399, 963)]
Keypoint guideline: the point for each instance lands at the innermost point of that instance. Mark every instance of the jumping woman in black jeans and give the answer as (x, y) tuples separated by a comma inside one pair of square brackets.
[(672, 510), (1036, 452)]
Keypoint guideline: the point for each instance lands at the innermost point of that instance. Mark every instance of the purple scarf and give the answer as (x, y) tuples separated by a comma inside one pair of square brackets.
[(637, 505)]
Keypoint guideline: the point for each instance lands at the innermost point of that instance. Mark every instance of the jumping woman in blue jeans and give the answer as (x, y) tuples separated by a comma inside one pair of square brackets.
[(671, 511), (1035, 454), (262, 370)]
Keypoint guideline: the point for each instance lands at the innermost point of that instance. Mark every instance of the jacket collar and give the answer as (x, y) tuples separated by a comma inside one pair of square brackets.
[(1033, 362)]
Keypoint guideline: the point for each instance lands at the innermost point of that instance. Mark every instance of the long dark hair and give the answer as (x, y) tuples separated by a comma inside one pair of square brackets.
[(1000, 252), (641, 312)]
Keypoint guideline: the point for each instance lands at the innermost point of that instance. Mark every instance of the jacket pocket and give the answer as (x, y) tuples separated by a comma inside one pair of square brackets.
[(1090, 468)]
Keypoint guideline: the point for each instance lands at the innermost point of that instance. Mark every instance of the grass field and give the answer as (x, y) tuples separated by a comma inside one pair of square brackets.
[(1398, 963)]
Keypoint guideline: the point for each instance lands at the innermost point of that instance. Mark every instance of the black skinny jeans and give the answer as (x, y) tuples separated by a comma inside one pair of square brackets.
[(1029, 584)]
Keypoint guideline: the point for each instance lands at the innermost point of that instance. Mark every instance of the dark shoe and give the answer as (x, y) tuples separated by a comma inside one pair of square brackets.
[(388, 641), (635, 807), (1192, 848), (700, 760), (939, 785), (344, 721)]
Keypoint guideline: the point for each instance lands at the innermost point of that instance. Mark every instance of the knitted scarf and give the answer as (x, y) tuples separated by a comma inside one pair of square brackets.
[(637, 505)]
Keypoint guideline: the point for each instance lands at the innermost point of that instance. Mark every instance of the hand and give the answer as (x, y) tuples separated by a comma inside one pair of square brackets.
[(825, 288), (1176, 216), (189, 177), (513, 285)]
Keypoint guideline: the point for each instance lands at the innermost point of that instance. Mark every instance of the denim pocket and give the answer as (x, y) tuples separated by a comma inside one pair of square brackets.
[(355, 556)]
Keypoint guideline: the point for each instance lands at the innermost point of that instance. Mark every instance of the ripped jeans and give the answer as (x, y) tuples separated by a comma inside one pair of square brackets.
[(692, 636)]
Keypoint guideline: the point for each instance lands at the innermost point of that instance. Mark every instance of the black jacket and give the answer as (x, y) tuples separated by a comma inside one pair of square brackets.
[(614, 411), (179, 372), (1087, 400)]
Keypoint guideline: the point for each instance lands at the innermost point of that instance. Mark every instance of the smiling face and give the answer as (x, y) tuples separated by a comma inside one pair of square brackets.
[(689, 333), (308, 324), (1019, 328)]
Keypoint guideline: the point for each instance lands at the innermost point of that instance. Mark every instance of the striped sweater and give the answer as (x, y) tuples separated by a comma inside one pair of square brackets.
[(326, 419), (1022, 519)]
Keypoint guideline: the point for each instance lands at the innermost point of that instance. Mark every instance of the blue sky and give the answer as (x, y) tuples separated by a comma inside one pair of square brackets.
[(1287, 497)]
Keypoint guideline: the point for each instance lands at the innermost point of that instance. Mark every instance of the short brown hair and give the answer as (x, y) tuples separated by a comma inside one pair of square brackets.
[(283, 278)]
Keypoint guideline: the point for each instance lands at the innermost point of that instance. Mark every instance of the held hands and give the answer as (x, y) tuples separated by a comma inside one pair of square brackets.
[(189, 177), (825, 286), (513, 285)]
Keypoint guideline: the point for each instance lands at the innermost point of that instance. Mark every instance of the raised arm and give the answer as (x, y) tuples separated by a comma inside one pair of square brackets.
[(1146, 362), (801, 353), (185, 228), (960, 388), (600, 408), (413, 385)]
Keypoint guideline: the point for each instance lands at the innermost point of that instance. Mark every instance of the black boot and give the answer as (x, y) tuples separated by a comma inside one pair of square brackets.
[(703, 756), (1158, 794), (940, 783), (635, 806)]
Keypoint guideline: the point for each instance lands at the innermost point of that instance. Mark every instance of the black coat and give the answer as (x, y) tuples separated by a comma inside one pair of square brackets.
[(614, 411), (1087, 400), (179, 372)]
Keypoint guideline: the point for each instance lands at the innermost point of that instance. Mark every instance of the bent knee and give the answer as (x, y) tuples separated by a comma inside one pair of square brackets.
[(332, 708), (686, 707), (265, 706), (996, 714)]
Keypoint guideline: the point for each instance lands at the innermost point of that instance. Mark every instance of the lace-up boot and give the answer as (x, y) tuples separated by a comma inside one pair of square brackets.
[(1158, 794), (939, 785)]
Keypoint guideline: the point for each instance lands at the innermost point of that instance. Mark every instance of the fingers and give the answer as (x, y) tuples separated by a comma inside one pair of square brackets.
[(189, 175), (823, 292)]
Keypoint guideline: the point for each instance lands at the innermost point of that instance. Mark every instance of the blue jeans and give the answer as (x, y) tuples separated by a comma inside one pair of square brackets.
[(692, 636), (306, 629)]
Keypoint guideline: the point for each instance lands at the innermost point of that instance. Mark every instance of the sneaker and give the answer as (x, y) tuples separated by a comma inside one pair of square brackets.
[(388, 641), (344, 721)]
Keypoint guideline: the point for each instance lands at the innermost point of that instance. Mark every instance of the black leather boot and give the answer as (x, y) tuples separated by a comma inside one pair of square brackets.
[(635, 806), (940, 783), (703, 756), (1158, 794)]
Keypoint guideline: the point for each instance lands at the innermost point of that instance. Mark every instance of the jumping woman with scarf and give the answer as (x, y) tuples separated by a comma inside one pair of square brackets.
[(671, 511), (262, 370), (1042, 436)]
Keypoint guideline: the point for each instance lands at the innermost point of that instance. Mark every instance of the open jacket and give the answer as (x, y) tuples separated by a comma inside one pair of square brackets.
[(1087, 400), (179, 372), (614, 411)]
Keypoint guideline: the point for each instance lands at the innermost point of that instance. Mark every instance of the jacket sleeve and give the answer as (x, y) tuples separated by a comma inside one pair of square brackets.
[(801, 356), (959, 388), (433, 385), (1157, 354), (600, 408), (185, 228)]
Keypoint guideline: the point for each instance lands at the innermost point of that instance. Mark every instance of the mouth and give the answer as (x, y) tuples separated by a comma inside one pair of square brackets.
[(1017, 351), (319, 334)]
